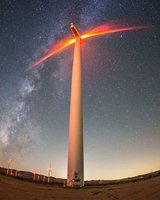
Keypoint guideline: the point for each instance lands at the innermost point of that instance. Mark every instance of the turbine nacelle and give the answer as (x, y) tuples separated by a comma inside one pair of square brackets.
[(74, 30)]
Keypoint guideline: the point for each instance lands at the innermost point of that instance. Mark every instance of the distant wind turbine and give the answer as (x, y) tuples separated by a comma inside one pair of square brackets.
[(49, 172), (9, 166)]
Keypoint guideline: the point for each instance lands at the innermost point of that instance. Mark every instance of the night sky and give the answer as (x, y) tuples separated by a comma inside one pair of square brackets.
[(121, 87)]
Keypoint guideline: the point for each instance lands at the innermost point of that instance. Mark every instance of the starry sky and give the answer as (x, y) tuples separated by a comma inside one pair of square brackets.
[(121, 87)]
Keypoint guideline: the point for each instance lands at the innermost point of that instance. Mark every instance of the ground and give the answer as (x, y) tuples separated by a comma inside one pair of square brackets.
[(13, 189)]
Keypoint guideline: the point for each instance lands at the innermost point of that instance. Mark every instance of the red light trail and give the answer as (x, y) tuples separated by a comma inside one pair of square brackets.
[(100, 30)]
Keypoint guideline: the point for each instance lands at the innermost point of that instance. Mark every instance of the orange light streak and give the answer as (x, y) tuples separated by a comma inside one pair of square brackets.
[(100, 30), (56, 49)]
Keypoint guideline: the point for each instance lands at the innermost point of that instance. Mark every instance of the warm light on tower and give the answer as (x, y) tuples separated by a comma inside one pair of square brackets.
[(75, 147)]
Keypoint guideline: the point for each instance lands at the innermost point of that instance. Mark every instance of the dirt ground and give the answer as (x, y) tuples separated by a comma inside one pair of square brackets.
[(12, 189)]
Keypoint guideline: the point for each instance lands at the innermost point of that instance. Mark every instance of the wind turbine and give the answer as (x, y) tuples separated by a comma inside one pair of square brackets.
[(44, 178), (75, 175), (75, 146), (49, 172), (16, 173), (9, 166), (34, 175)]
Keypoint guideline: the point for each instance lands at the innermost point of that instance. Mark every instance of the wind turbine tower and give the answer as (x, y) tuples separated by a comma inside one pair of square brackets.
[(75, 175)]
